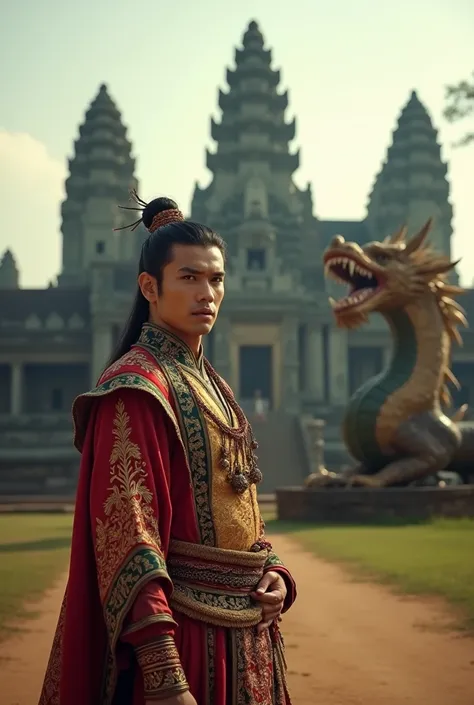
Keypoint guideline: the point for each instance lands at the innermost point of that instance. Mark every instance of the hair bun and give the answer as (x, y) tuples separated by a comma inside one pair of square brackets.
[(159, 212), (170, 215)]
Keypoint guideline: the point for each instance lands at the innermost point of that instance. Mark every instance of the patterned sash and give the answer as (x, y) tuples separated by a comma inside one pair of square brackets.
[(213, 585)]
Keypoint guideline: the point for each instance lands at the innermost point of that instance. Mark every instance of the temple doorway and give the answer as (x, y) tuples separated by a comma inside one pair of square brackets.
[(255, 375)]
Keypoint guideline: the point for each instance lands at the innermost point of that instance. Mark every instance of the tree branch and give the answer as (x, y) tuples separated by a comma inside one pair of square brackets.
[(459, 105)]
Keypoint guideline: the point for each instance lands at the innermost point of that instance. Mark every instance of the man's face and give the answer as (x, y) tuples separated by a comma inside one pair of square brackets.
[(192, 291)]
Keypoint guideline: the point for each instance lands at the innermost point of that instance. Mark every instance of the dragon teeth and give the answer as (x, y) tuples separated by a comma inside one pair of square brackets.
[(346, 263), (352, 299)]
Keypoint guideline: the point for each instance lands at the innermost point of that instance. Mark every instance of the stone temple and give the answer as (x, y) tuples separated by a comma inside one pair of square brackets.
[(275, 333)]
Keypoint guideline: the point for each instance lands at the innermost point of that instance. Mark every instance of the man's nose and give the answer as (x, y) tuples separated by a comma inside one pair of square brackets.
[(206, 293)]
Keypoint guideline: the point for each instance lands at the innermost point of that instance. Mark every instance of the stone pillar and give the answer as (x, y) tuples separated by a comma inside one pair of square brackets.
[(102, 342), (290, 369), (16, 389), (338, 367), (314, 363), (221, 347)]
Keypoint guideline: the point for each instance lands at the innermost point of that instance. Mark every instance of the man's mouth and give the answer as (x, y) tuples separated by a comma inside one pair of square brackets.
[(363, 282), (204, 312)]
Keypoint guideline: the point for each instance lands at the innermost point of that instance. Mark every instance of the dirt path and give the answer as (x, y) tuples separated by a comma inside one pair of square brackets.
[(348, 643), (24, 656), (351, 643)]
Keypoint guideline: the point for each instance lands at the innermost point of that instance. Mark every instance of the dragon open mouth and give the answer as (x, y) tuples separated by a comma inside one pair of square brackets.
[(345, 270)]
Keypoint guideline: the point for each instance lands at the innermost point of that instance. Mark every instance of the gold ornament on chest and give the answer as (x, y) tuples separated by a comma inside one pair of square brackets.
[(237, 454), (239, 462)]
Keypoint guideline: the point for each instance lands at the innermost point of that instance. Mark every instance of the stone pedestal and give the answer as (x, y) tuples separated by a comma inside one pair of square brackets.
[(378, 505), (316, 439)]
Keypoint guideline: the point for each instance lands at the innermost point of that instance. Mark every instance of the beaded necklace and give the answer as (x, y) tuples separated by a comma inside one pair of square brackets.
[(237, 456)]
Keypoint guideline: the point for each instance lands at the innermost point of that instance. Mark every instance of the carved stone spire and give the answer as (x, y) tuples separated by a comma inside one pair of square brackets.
[(252, 198), (412, 184), (9, 274), (101, 174), (253, 126)]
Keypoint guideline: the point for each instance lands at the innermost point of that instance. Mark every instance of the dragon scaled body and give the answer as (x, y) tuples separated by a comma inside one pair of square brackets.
[(395, 425)]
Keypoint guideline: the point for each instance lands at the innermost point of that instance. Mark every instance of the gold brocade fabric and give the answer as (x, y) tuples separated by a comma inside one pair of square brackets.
[(236, 517)]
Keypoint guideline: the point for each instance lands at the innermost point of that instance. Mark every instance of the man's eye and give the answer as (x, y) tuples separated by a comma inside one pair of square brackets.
[(218, 280), (190, 277)]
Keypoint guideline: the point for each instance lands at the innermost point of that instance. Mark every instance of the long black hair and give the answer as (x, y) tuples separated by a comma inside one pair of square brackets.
[(155, 254)]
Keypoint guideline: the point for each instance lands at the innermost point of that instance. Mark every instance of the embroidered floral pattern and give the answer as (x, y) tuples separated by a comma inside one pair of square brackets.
[(166, 345), (163, 675), (211, 663), (280, 688), (130, 515), (259, 668), (135, 358), (130, 380), (253, 667), (128, 547)]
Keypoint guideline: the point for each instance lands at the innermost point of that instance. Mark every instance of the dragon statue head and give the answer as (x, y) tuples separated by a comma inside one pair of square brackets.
[(389, 275)]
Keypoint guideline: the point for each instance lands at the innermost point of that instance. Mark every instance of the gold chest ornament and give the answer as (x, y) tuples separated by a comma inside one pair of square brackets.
[(238, 458)]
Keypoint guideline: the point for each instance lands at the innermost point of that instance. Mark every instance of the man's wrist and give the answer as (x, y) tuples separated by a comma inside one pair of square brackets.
[(163, 675)]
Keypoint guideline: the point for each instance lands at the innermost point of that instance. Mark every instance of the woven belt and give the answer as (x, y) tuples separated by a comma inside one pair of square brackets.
[(213, 585)]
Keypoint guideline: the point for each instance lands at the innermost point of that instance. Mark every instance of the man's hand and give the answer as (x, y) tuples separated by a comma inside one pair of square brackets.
[(271, 593), (180, 699)]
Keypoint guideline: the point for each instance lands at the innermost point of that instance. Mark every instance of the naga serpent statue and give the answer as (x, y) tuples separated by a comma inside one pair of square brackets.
[(395, 426)]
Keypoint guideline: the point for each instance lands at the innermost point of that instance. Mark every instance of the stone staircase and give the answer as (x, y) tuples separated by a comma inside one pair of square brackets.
[(37, 457), (281, 451)]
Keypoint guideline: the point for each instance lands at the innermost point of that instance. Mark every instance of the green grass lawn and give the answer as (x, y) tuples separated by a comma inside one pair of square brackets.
[(34, 550), (434, 558), (428, 558)]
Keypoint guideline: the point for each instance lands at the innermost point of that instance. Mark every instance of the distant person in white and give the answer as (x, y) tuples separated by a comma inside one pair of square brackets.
[(259, 406)]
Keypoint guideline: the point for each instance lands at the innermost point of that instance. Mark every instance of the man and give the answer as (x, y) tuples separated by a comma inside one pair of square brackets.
[(174, 594)]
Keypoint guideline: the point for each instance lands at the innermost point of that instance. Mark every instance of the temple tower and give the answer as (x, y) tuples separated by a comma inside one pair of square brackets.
[(101, 174), (252, 199), (9, 274), (268, 224), (412, 184)]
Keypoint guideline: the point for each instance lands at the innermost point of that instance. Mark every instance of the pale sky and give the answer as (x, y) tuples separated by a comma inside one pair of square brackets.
[(349, 65)]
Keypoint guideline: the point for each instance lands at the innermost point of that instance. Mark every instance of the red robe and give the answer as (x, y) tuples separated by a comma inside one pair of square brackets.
[(127, 631)]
